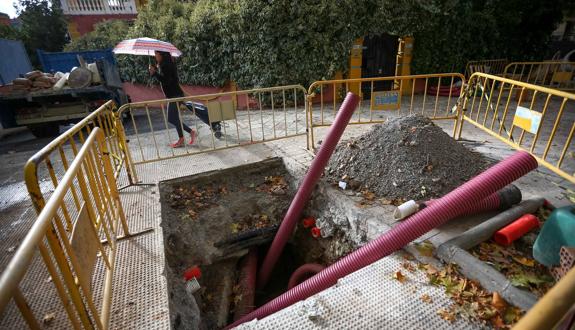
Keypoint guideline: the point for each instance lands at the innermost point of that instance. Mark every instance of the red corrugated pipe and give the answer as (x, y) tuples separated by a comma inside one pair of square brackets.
[(303, 273), (314, 173), (247, 282), (444, 209)]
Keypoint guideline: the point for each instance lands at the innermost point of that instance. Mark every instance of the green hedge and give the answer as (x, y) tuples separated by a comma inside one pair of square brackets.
[(277, 42)]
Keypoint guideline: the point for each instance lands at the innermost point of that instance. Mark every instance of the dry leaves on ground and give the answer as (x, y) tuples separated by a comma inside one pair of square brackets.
[(276, 185), (519, 267), (470, 299), (251, 221)]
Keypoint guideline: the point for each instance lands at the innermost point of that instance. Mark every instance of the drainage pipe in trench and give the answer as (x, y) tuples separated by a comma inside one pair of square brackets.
[(444, 209), (314, 173), (247, 283), (303, 273)]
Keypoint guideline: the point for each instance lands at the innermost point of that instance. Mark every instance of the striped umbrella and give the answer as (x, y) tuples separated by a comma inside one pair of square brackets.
[(145, 46)]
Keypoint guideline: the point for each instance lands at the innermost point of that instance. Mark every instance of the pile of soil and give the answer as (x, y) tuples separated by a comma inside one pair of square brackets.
[(404, 158)]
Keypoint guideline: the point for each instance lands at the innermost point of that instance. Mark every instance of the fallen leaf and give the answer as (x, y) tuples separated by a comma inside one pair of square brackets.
[(487, 313), (408, 266), (446, 315), (498, 323), (235, 227), (399, 276), (430, 270), (525, 261), (426, 298), (408, 257), (498, 302), (48, 318), (425, 248), (511, 315)]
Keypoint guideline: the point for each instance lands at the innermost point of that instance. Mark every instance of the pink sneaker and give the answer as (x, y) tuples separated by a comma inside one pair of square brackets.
[(178, 144)]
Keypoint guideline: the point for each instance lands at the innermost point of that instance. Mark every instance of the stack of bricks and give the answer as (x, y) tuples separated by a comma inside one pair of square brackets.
[(567, 261)]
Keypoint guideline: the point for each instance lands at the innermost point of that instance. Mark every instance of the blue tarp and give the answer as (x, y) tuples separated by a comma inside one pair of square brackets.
[(65, 61), (13, 60)]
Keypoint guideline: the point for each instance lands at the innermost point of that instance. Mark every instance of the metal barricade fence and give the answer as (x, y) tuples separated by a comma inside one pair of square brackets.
[(53, 160), (552, 74), (528, 117), (494, 67), (433, 95), (220, 121), (70, 246)]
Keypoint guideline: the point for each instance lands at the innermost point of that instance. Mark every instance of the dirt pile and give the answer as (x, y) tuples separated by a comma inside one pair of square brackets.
[(404, 158)]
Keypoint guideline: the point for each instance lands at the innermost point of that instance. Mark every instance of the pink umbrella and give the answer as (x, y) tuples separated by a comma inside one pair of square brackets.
[(145, 46)]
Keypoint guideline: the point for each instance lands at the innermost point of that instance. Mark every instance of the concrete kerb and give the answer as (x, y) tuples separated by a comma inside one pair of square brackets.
[(454, 251)]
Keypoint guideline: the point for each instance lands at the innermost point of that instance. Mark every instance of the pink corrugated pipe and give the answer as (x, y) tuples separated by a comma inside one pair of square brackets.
[(444, 209), (303, 273), (249, 268), (314, 173), (498, 201)]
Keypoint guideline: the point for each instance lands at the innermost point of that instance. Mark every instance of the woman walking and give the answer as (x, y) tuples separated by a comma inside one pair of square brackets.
[(166, 72)]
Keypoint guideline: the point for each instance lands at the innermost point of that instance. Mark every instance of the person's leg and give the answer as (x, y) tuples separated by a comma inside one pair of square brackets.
[(174, 119)]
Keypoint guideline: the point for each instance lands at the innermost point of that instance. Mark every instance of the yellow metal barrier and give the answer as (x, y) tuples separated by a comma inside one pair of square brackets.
[(44, 163), (543, 117), (241, 117), (553, 74), (494, 67), (434, 96), (71, 247)]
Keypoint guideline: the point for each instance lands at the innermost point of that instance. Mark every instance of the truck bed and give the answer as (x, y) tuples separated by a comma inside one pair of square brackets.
[(7, 94)]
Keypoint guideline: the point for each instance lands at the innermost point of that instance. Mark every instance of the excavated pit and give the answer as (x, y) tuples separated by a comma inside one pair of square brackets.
[(212, 219)]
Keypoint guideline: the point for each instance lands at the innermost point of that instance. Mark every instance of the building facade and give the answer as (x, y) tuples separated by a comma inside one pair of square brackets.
[(82, 15)]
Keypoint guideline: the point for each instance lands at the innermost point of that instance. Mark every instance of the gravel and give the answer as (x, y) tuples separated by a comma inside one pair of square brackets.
[(402, 159)]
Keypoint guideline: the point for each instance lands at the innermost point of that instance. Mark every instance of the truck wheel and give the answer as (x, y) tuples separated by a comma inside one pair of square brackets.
[(45, 130)]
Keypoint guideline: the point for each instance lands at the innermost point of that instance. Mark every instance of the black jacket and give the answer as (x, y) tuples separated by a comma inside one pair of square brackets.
[(168, 77)]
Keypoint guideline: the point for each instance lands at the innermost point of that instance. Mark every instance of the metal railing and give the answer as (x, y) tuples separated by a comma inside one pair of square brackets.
[(494, 67), (434, 96), (230, 119), (552, 74), (528, 117), (71, 247), (53, 160)]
